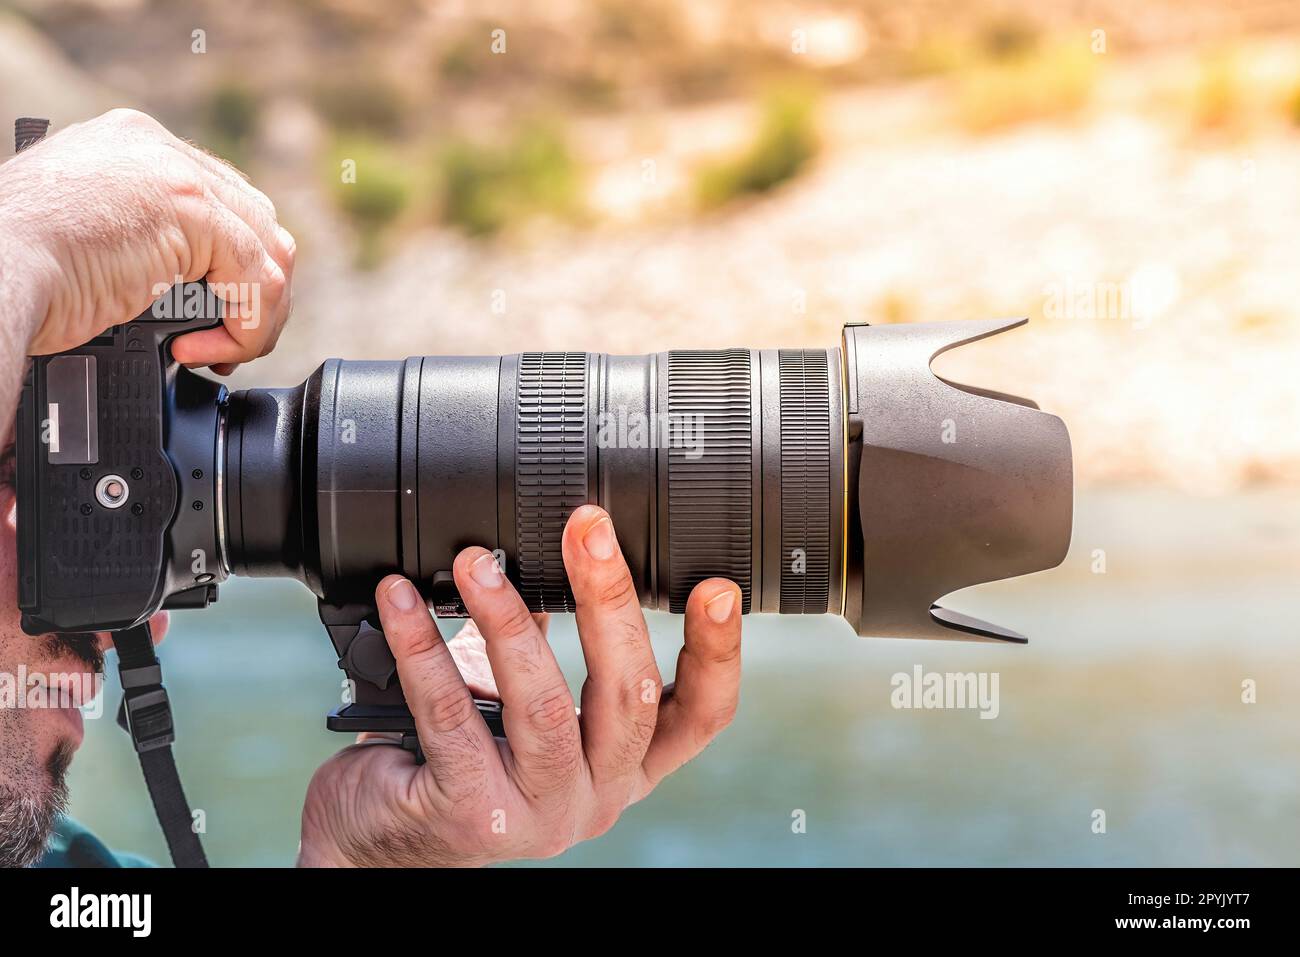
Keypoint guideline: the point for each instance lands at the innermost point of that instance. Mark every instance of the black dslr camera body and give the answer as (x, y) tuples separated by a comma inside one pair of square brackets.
[(119, 496)]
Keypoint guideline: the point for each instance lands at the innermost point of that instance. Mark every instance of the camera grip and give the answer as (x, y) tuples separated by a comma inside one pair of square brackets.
[(116, 487)]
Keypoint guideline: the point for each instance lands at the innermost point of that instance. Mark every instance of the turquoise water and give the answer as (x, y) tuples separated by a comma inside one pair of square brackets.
[(1127, 699)]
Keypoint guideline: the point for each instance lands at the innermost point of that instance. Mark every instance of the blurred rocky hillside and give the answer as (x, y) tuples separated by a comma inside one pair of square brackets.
[(629, 177)]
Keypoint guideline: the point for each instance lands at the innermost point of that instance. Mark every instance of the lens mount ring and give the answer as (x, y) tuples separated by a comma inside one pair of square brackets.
[(219, 486)]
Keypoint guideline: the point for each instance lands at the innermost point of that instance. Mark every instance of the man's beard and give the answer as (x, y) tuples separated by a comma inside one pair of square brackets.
[(27, 819), (29, 807)]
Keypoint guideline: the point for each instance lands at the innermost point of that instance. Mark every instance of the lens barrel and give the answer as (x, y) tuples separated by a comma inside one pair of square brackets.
[(722, 463)]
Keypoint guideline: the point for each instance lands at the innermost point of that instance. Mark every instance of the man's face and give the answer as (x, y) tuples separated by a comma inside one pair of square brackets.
[(42, 683)]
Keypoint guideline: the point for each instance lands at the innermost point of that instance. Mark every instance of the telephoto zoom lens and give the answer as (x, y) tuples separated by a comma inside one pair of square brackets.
[(711, 463), (847, 481)]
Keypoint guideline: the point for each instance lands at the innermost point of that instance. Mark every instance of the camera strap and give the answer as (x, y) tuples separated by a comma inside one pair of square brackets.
[(146, 714)]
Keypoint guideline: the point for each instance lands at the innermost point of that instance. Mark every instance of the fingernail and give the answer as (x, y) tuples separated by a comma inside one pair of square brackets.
[(599, 540), (402, 595), (719, 607), (486, 571)]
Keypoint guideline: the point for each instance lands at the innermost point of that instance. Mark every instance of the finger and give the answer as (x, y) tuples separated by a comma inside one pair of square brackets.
[(707, 688), (234, 190), (254, 207), (285, 254), (537, 709), (455, 740), (620, 699), (240, 271)]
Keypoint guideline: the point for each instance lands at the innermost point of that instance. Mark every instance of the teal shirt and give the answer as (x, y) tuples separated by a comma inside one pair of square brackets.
[(71, 845)]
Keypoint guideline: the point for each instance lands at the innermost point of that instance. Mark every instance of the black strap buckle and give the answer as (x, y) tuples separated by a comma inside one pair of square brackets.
[(147, 716)]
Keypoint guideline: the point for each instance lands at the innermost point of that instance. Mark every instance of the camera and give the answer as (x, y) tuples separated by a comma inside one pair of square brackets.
[(849, 480)]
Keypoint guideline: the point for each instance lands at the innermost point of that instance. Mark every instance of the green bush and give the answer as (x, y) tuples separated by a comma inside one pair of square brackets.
[(380, 193), (786, 141), (486, 188)]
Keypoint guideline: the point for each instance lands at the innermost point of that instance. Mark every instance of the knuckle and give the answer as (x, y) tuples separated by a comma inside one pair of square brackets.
[(451, 708), (712, 722), (273, 285), (722, 653), (181, 178), (516, 623), (262, 202), (132, 119), (617, 593), (551, 711), (519, 661), (641, 689)]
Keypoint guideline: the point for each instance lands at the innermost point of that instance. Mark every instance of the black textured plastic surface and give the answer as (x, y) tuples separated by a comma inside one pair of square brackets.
[(111, 553), (550, 470), (805, 482), (710, 477)]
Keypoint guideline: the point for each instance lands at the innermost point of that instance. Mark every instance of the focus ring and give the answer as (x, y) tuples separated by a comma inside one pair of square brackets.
[(710, 478), (805, 482), (550, 470)]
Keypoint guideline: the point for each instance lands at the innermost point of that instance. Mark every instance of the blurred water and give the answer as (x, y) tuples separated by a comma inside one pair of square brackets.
[(1128, 699)]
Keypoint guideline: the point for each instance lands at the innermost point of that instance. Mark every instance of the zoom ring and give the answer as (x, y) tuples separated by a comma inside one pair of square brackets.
[(710, 478), (550, 470), (805, 482)]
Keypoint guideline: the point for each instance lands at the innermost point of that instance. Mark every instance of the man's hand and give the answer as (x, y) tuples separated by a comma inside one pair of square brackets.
[(102, 214), (561, 778)]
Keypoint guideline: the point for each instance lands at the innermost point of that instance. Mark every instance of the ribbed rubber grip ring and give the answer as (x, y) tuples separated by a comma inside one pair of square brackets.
[(550, 470), (710, 478), (805, 482)]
